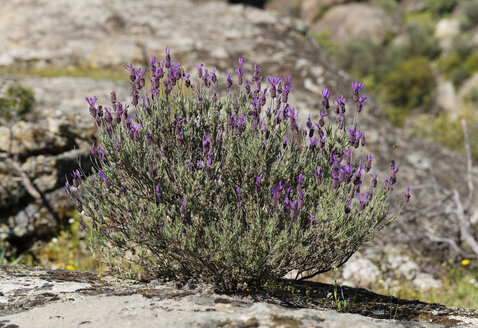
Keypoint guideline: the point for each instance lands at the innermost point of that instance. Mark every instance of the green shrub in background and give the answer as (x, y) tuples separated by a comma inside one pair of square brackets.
[(446, 130), (470, 11), (409, 85), (17, 102), (439, 8), (460, 63), (360, 57), (421, 41), (226, 189)]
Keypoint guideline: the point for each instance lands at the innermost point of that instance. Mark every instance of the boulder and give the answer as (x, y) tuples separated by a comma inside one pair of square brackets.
[(447, 27), (310, 9), (469, 89), (447, 98), (348, 21), (413, 6), (36, 297)]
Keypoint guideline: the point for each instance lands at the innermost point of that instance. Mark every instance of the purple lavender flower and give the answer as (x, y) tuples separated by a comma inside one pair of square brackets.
[(136, 128), (157, 195), (113, 97), (358, 106), (149, 138), (108, 116), (199, 66), (240, 73), (284, 142), (393, 177), (206, 143), (374, 180), (183, 205), (258, 182), (200, 164), (362, 201), (340, 104), (318, 175), (323, 114), (347, 206), (300, 194), (358, 138), (79, 206), (369, 163), (340, 121), (130, 68), (67, 188), (348, 155), (76, 178), (358, 176), (213, 75), (247, 87), (356, 86), (347, 169), (285, 92), (407, 195), (352, 133), (168, 58), (104, 178), (92, 102), (325, 98), (274, 81), (238, 191), (228, 80), (255, 76), (241, 61), (293, 115)]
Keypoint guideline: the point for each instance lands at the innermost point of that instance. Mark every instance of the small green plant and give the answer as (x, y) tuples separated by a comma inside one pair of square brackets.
[(339, 301), (409, 85), (17, 102), (226, 189)]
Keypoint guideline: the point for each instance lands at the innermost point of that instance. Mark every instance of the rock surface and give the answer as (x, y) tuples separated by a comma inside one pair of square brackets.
[(32, 297), (348, 21), (103, 34)]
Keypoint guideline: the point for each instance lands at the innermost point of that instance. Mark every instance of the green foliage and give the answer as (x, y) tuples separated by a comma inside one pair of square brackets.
[(470, 10), (439, 8), (431, 127), (175, 206), (461, 62), (17, 102), (325, 42), (322, 10), (421, 41), (360, 57), (389, 6), (410, 84)]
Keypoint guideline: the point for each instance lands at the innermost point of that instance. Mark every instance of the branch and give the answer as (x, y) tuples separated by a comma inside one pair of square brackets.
[(431, 235), (468, 167), (466, 235)]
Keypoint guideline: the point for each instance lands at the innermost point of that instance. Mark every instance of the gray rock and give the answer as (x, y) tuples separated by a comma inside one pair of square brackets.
[(104, 34), (447, 27), (348, 21), (34, 297), (447, 98)]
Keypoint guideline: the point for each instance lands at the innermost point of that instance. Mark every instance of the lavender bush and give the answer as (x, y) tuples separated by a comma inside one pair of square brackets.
[(226, 187)]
